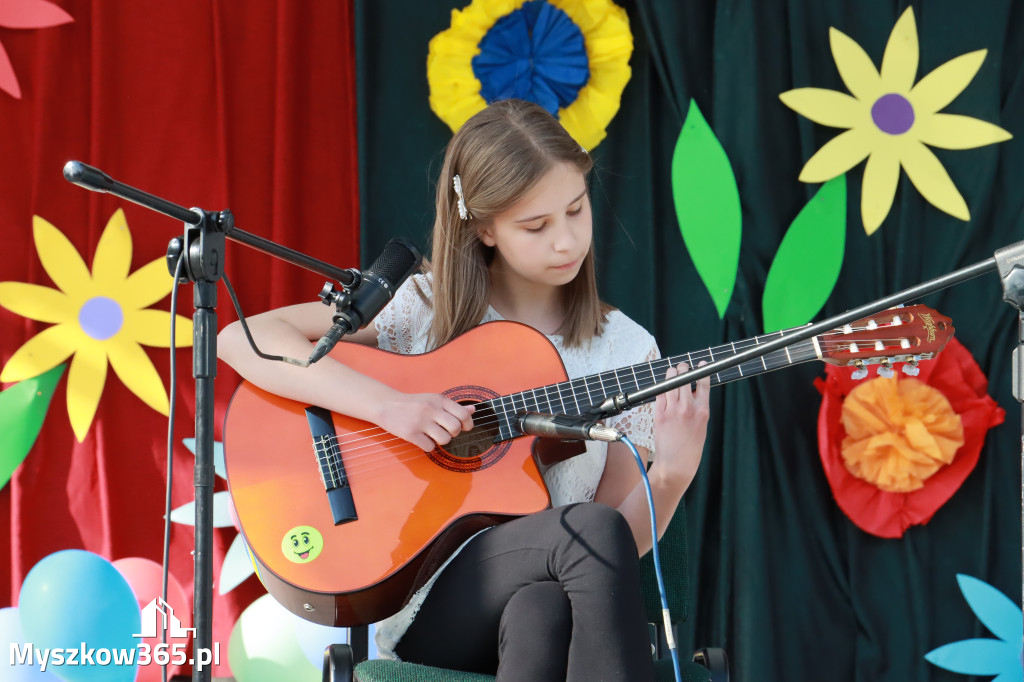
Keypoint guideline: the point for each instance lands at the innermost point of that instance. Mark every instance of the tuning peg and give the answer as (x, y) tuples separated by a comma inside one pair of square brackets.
[(885, 369), (910, 367), (860, 372)]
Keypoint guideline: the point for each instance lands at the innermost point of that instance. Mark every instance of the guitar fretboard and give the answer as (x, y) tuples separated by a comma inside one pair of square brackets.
[(578, 396)]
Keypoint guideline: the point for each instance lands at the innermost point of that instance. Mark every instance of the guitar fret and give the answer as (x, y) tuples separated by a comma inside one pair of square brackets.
[(515, 409), (536, 403), (739, 366), (763, 364), (786, 348), (572, 388), (551, 403), (618, 384), (590, 396), (547, 396), (504, 425)]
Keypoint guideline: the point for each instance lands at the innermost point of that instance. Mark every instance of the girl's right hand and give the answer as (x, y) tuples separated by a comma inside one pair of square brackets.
[(425, 419)]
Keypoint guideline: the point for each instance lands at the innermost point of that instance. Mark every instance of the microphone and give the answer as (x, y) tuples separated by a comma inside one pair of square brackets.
[(374, 289), (566, 427)]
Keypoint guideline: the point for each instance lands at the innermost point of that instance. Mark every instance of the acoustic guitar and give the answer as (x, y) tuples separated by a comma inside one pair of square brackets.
[(344, 521)]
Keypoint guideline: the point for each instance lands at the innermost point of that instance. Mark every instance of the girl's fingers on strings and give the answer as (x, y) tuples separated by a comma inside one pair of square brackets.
[(680, 391), (703, 385), (663, 401), (450, 423), (463, 413), (424, 442), (438, 435), (699, 398)]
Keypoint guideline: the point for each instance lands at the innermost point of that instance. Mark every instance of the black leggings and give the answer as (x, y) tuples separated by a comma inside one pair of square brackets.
[(550, 596)]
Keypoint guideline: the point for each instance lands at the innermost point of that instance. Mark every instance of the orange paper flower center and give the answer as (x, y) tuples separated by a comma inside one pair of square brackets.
[(898, 433)]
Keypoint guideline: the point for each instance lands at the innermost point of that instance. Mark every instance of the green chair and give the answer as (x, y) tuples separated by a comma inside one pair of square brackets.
[(346, 663)]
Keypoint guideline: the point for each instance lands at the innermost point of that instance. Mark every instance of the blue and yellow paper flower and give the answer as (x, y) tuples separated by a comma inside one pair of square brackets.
[(569, 56), (100, 317)]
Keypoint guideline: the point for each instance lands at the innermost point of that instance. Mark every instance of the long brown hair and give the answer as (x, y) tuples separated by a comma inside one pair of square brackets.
[(500, 154)]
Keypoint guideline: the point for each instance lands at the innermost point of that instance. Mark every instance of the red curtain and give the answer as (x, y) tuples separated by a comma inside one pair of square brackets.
[(241, 105)]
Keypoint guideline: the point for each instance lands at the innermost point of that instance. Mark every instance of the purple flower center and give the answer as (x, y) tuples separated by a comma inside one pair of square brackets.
[(893, 114), (101, 318)]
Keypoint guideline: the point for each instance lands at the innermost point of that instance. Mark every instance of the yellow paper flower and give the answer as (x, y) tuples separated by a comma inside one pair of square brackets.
[(97, 317), (456, 91), (890, 121), (898, 433)]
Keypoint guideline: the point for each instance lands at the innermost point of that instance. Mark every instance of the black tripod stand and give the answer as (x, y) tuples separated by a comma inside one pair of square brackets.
[(201, 251)]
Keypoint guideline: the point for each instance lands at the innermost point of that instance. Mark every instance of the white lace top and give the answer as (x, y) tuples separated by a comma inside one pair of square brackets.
[(404, 327)]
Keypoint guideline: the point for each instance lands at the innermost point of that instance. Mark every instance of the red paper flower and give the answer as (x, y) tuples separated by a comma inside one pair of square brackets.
[(888, 514), (25, 14)]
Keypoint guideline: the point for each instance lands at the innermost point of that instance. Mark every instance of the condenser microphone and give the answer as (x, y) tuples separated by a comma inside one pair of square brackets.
[(375, 288), (566, 427)]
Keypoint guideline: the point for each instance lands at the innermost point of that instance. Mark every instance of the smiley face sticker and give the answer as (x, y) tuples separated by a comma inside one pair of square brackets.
[(302, 544)]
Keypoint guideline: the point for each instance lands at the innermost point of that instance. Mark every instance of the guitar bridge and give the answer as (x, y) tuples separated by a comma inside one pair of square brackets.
[(332, 468)]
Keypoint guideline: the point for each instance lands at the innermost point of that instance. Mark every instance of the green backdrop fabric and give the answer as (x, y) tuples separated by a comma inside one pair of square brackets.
[(780, 577)]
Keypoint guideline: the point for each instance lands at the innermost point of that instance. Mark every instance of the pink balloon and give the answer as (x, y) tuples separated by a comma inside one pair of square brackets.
[(145, 577)]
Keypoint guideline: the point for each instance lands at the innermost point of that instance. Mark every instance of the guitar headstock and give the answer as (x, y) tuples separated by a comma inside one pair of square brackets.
[(907, 334)]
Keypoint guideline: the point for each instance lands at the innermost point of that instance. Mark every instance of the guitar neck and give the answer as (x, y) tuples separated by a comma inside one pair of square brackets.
[(580, 395)]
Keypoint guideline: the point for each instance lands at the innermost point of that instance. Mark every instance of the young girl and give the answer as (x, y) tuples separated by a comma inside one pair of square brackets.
[(553, 595)]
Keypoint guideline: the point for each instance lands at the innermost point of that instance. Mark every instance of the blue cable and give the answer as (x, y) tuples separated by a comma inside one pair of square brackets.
[(666, 617)]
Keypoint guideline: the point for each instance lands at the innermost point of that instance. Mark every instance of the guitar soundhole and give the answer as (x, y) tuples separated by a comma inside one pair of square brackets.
[(476, 449)]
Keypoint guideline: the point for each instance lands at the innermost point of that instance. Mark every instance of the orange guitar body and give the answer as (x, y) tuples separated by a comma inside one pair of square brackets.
[(413, 508)]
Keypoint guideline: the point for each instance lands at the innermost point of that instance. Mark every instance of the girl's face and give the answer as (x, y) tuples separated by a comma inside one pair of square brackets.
[(544, 237)]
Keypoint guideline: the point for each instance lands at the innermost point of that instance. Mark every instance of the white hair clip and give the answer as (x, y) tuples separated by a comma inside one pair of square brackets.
[(463, 211), (584, 149)]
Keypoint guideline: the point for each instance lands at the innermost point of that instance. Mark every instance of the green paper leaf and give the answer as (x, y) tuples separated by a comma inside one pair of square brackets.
[(23, 407), (807, 264), (707, 205)]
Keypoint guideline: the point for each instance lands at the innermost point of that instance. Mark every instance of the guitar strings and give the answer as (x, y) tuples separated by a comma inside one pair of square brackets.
[(564, 389), (654, 368), (643, 377), (659, 364)]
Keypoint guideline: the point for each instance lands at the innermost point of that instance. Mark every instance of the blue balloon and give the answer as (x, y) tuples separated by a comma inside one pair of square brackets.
[(23, 666), (78, 601)]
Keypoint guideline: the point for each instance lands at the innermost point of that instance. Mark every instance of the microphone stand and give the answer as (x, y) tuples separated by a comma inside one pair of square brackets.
[(1009, 261), (202, 248)]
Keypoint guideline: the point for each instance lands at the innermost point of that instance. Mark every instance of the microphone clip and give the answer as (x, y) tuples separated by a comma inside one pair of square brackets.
[(566, 427), (342, 299)]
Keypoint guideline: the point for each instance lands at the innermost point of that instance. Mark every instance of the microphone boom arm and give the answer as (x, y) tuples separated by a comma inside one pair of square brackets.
[(621, 402), (96, 180)]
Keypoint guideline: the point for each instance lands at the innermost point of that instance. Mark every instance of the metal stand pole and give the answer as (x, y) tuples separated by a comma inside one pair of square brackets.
[(1010, 261)]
